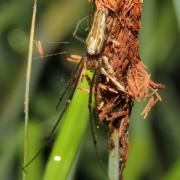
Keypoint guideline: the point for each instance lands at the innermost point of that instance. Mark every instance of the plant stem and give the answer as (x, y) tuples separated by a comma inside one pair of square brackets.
[(73, 127), (27, 87), (113, 169)]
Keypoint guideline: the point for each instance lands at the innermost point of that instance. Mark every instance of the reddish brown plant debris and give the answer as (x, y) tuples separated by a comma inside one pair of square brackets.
[(122, 49), (39, 48), (113, 104), (123, 133)]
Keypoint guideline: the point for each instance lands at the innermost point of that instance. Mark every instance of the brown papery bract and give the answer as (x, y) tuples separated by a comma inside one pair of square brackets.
[(122, 49), (123, 77)]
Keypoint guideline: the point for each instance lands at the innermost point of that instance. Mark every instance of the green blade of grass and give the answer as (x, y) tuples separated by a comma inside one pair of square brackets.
[(113, 169), (28, 77), (70, 136), (34, 171)]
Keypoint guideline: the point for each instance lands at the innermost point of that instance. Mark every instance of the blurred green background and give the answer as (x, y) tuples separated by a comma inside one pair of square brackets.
[(154, 143)]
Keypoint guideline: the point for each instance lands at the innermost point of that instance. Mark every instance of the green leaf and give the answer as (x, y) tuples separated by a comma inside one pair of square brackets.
[(34, 170), (69, 138)]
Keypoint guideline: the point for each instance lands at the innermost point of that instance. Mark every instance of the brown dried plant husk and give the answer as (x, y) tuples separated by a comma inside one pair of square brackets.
[(122, 49)]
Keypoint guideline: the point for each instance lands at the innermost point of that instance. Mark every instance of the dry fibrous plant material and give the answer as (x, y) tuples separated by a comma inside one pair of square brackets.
[(121, 77), (122, 49)]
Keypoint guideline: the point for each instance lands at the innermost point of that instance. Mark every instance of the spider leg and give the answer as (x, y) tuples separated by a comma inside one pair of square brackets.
[(76, 30), (91, 124), (46, 142), (69, 83)]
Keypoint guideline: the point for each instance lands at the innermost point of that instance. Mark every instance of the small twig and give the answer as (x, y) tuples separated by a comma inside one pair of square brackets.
[(27, 87)]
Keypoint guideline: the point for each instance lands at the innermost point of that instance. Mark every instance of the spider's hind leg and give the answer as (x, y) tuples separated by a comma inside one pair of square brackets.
[(76, 30)]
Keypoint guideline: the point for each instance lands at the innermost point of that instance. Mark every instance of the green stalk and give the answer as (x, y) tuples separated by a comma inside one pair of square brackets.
[(70, 136), (113, 169), (27, 87)]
